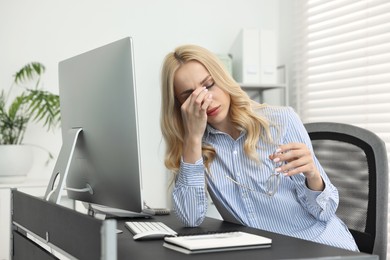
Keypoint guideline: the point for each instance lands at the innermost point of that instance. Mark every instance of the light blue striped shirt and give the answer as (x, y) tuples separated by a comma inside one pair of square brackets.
[(294, 210)]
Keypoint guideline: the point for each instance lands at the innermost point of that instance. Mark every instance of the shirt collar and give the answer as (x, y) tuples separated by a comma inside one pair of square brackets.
[(212, 131)]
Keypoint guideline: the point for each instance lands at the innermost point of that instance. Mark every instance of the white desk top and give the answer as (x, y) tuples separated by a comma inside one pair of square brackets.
[(27, 182)]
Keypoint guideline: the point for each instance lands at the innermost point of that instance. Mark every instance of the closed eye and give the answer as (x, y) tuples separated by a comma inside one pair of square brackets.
[(210, 84)]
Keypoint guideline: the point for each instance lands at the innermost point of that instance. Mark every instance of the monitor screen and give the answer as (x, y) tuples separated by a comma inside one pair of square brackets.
[(99, 160)]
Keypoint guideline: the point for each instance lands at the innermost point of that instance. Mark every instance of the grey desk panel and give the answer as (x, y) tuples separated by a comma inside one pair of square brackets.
[(75, 233), (283, 247), (24, 248)]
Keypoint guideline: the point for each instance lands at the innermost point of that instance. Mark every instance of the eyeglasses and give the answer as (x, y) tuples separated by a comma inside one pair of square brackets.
[(272, 183)]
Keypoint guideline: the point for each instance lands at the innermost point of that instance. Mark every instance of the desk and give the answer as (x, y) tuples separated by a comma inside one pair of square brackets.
[(283, 247), (85, 237), (34, 187)]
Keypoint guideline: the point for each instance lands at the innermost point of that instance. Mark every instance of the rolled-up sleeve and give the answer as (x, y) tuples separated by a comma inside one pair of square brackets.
[(189, 194)]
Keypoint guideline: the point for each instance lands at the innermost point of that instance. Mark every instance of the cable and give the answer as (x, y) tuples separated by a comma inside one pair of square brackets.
[(86, 189)]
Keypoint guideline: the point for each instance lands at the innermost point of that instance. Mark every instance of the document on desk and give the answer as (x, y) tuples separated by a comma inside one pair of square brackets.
[(205, 243)]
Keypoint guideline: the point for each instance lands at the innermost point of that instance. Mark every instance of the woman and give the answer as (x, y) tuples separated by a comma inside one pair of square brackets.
[(255, 160)]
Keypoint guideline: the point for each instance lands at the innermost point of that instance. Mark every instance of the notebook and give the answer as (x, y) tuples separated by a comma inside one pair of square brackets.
[(216, 242)]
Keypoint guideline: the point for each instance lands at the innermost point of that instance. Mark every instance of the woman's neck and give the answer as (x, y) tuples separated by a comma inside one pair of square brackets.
[(228, 128)]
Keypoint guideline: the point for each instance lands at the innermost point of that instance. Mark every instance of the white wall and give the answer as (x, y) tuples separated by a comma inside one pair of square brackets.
[(50, 31), (287, 23)]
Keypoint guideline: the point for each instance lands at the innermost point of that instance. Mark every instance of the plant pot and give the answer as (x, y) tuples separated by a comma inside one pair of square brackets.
[(15, 162)]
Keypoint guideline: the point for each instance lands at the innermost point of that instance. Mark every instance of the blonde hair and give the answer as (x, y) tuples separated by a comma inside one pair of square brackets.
[(242, 114)]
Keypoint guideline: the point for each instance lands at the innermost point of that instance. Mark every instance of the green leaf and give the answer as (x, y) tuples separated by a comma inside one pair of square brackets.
[(30, 71)]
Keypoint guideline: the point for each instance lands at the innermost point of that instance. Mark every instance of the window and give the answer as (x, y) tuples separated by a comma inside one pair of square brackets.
[(343, 63)]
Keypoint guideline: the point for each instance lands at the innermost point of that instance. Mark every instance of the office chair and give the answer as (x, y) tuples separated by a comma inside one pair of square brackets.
[(355, 160)]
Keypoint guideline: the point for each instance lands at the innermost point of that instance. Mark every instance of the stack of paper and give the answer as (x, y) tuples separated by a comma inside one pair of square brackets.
[(216, 242)]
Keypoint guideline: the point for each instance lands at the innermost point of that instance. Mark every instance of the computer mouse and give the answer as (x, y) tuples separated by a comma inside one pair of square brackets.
[(152, 234)]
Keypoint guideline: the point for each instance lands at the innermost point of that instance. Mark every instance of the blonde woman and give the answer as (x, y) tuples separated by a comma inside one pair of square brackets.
[(255, 161)]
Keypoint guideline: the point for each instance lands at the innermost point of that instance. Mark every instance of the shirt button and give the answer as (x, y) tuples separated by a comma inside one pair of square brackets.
[(235, 152)]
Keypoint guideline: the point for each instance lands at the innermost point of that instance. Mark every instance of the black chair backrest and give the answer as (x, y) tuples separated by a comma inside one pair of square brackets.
[(356, 162)]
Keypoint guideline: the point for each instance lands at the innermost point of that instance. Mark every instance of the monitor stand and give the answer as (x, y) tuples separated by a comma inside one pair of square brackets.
[(61, 168)]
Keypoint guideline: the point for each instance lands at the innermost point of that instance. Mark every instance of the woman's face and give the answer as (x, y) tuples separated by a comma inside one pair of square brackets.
[(193, 75)]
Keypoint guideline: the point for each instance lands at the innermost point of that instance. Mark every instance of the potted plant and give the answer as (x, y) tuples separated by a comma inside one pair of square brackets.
[(22, 104)]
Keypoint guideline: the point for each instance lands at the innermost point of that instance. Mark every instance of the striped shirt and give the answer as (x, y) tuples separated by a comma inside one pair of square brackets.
[(294, 210)]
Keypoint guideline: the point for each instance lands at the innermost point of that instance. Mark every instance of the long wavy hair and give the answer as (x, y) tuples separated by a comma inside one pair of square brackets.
[(242, 112)]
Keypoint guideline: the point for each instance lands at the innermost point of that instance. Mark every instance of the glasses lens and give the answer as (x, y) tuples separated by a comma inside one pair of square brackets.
[(273, 184), (274, 179), (278, 164)]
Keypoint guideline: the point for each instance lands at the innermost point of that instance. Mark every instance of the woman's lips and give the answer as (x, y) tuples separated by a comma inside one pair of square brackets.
[(213, 111)]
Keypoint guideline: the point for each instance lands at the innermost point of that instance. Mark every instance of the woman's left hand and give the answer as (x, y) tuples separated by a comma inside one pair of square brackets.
[(298, 159)]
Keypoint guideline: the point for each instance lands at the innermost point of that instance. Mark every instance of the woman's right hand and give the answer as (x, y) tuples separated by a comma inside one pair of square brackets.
[(194, 116), (194, 113)]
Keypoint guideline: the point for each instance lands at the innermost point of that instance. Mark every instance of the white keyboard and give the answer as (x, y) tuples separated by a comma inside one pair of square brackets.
[(149, 227)]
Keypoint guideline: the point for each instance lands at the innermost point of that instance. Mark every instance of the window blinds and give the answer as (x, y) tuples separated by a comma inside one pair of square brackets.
[(342, 63)]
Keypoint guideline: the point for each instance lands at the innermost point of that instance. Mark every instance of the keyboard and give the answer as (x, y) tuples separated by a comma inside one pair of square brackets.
[(149, 229)]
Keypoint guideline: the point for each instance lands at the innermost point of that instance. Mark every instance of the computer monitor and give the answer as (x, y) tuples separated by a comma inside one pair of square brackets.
[(99, 159)]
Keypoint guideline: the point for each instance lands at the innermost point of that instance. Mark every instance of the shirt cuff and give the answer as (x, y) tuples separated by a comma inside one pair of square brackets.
[(191, 174), (320, 198)]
